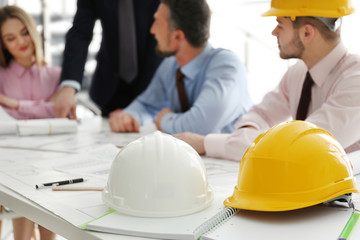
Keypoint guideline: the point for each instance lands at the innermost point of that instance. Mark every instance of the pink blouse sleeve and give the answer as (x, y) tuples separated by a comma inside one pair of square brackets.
[(36, 109), (33, 109)]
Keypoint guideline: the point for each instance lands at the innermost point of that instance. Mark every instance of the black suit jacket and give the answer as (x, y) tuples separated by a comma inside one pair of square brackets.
[(107, 90)]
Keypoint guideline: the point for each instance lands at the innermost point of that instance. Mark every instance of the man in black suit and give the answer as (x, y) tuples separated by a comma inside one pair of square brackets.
[(108, 89)]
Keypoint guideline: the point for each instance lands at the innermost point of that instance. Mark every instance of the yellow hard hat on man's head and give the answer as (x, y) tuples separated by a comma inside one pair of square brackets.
[(293, 165), (316, 8)]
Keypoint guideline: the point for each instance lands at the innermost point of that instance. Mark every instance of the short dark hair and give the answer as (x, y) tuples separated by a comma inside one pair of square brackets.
[(192, 17), (323, 29)]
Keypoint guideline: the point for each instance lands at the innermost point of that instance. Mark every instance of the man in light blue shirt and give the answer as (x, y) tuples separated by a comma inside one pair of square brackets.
[(214, 79)]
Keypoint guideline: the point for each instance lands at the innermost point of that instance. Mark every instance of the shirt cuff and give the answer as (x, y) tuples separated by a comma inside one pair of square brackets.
[(166, 123), (71, 83), (215, 145), (135, 114), (24, 106), (230, 146)]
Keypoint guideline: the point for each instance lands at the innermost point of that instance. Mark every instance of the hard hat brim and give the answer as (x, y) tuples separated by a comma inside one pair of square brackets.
[(284, 202), (121, 207)]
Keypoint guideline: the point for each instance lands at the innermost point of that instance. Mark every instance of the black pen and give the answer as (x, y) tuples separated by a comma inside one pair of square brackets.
[(58, 183)]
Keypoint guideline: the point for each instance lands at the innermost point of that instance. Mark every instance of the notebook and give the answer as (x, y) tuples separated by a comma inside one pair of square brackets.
[(317, 222), (183, 227), (224, 223)]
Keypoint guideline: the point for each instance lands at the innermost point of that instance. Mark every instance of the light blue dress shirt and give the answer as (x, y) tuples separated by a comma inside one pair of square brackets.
[(216, 86)]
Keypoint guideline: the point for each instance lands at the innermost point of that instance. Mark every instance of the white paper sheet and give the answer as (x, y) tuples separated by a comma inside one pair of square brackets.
[(95, 161), (7, 123), (8, 128), (4, 116)]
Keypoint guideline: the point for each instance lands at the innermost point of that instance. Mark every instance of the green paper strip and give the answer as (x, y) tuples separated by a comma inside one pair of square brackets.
[(83, 226), (349, 226)]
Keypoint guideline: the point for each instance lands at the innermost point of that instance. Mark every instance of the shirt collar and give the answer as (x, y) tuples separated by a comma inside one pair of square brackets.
[(18, 69), (323, 68), (192, 68)]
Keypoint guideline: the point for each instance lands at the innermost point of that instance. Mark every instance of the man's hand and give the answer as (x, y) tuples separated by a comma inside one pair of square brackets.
[(159, 117), (8, 102), (64, 103), (123, 122), (195, 140), (115, 112)]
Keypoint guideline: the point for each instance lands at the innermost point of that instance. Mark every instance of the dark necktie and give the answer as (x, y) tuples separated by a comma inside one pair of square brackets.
[(127, 41), (305, 98), (181, 91)]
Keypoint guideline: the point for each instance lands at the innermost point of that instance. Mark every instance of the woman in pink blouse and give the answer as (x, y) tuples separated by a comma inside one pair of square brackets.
[(27, 85)]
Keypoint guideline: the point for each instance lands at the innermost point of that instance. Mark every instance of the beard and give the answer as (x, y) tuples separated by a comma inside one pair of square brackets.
[(163, 53), (296, 47)]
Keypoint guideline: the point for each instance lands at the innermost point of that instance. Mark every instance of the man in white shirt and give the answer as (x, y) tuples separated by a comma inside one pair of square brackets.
[(313, 36)]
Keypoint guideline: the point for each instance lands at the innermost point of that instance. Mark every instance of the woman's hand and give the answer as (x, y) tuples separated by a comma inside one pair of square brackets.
[(9, 102)]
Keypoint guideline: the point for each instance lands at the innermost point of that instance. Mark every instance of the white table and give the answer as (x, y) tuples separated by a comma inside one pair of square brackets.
[(91, 133), (55, 146)]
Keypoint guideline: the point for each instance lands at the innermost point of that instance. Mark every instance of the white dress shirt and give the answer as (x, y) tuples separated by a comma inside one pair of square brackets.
[(335, 105)]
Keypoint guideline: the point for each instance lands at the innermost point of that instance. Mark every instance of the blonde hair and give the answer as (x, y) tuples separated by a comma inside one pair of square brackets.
[(11, 11)]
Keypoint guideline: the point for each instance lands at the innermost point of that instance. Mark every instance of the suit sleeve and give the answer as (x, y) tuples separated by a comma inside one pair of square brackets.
[(77, 42)]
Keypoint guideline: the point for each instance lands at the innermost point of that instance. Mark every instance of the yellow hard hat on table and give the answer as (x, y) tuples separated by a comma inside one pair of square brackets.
[(293, 165), (318, 8)]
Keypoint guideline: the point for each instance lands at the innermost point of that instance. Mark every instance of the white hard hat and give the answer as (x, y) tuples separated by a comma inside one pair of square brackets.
[(158, 176)]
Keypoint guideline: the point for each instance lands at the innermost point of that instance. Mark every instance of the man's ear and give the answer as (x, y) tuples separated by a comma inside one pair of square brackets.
[(307, 33), (179, 35)]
